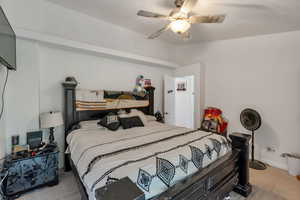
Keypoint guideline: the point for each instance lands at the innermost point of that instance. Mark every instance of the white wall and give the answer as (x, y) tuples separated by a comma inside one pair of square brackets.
[(92, 72), (36, 86), (48, 19), (197, 70), (2, 121), (22, 94), (262, 73)]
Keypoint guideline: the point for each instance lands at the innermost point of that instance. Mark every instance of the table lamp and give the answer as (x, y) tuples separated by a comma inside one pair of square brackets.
[(51, 120)]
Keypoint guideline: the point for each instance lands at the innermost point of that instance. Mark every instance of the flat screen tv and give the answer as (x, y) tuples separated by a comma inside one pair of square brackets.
[(7, 43)]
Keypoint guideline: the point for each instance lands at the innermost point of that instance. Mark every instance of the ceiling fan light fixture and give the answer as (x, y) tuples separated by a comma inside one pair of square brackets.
[(180, 26), (181, 18)]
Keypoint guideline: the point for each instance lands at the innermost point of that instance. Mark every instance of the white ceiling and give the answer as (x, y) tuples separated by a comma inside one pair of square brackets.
[(244, 17)]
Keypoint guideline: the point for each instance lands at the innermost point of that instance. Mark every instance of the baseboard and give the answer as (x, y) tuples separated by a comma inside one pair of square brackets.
[(273, 159), (276, 164)]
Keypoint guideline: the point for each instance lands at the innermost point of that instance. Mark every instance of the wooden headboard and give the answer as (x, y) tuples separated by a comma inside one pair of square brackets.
[(72, 116)]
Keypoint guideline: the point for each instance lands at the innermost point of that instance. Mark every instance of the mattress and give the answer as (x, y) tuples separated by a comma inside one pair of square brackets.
[(154, 157)]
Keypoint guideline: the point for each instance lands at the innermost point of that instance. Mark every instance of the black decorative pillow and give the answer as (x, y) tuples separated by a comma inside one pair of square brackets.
[(130, 122), (110, 121)]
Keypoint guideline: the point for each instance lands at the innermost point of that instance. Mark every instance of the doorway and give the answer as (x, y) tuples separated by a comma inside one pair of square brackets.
[(179, 101)]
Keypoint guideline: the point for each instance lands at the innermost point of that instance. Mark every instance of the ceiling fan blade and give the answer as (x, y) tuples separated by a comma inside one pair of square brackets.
[(188, 6), (159, 32), (239, 5), (207, 19), (144, 13)]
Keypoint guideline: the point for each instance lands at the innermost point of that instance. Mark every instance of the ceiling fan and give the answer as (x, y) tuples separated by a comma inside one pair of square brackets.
[(180, 19)]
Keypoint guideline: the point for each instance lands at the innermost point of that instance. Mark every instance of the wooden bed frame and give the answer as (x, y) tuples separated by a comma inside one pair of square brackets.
[(214, 182)]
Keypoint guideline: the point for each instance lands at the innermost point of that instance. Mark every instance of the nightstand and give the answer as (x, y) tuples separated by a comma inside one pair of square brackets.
[(3, 178), (30, 172)]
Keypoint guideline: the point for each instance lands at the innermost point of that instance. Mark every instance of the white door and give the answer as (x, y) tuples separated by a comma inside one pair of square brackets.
[(169, 100), (184, 103)]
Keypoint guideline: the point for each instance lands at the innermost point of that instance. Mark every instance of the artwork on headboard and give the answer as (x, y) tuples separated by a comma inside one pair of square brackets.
[(107, 100), (79, 100), (90, 99)]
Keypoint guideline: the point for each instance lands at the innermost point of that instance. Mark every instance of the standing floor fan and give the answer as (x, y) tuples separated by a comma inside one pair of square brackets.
[(251, 121)]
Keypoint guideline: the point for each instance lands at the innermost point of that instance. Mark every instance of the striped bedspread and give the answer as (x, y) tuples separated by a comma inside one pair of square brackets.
[(154, 157)]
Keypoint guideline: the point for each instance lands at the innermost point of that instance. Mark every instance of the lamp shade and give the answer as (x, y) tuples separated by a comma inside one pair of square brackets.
[(51, 119)]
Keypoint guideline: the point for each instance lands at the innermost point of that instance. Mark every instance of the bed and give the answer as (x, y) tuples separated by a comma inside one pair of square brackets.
[(163, 161)]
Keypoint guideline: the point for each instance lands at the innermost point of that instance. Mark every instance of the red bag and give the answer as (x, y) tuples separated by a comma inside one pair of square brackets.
[(213, 121)]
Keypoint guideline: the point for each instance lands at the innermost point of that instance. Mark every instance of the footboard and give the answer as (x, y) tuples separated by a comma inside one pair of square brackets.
[(216, 181), (240, 142)]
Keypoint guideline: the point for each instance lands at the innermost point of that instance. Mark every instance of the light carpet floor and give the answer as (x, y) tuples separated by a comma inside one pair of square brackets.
[(272, 184)]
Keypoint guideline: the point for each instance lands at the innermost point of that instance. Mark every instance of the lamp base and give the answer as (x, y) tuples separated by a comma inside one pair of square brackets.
[(255, 164)]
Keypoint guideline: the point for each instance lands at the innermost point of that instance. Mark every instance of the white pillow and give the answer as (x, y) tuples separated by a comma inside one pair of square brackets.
[(89, 124), (120, 112), (124, 115)]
